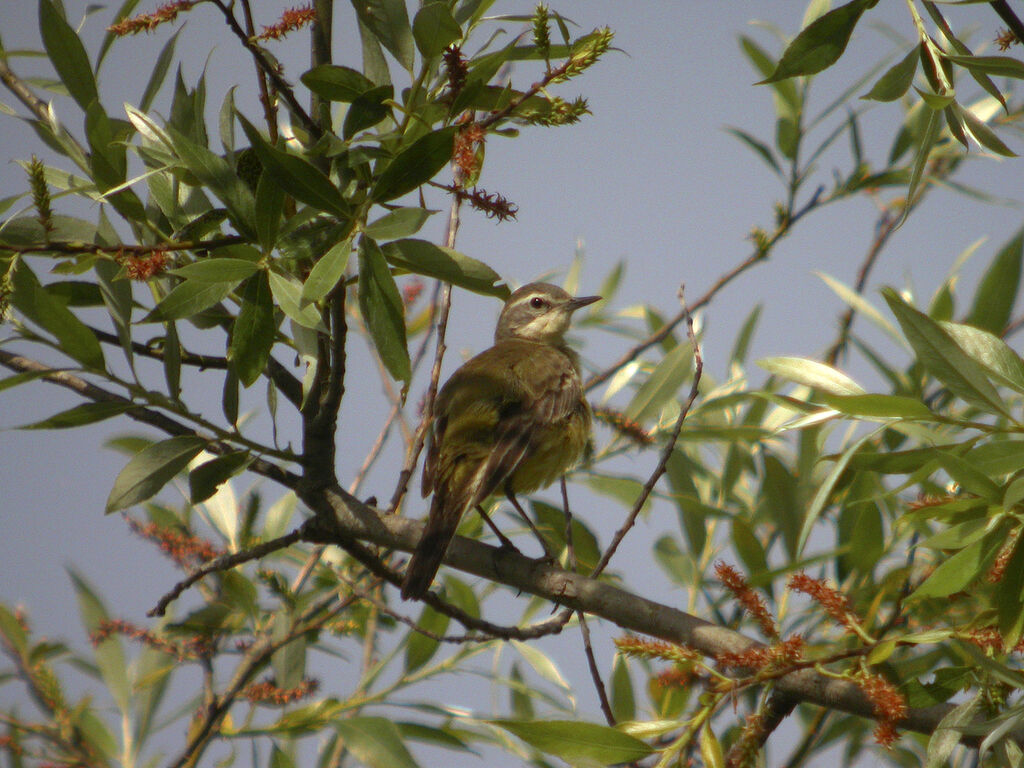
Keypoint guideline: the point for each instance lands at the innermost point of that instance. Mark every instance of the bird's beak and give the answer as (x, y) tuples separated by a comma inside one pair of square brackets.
[(582, 301)]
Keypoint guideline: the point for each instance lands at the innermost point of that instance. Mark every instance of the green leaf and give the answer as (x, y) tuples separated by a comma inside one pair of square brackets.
[(217, 270), (992, 352), (997, 291), (943, 358), (336, 83), (388, 21), (415, 165), (928, 139), (160, 69), (820, 44), (424, 258), (879, 406), (812, 374), (434, 29), (621, 694), (575, 741), (204, 480), (662, 385), (109, 654), (1001, 66), (897, 79), (982, 133), (962, 569), (189, 298), (368, 109), (269, 209), (420, 649), (400, 222), (297, 176), (287, 293), (762, 149), (374, 741), (73, 336), (969, 477), (252, 335), (383, 311), (151, 469), (80, 415), (67, 54), (327, 271)]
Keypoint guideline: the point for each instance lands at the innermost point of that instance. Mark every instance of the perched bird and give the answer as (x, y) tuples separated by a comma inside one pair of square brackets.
[(511, 420)]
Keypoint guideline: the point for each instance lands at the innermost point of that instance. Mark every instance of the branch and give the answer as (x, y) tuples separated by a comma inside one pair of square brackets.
[(352, 520), (139, 413)]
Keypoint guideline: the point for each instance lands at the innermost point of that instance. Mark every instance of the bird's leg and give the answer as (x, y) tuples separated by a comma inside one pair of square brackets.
[(505, 542), (544, 545)]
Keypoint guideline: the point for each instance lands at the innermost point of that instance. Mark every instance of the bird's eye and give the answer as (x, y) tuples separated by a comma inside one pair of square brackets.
[(537, 302)]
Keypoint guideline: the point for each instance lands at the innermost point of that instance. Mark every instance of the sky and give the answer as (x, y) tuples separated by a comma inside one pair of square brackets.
[(652, 178)]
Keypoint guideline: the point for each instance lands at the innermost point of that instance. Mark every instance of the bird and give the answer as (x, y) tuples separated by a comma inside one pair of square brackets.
[(512, 419)]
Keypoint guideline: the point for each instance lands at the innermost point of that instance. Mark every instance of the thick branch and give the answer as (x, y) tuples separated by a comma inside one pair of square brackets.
[(627, 610)]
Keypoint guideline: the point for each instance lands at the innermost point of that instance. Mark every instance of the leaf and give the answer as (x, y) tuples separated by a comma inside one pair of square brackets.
[(415, 165), (73, 336), (928, 139), (621, 689), (956, 573), (575, 741), (252, 334), (109, 654), (879, 406), (420, 648), (424, 258), (189, 298), (662, 385), (997, 291), (297, 176), (820, 44), (981, 132), (374, 741), (217, 270), (941, 357), (68, 55), (812, 374), (327, 271), (204, 480), (400, 222), (336, 83), (368, 109), (287, 293), (897, 79), (1001, 66), (993, 353), (270, 206), (388, 21), (160, 69), (80, 415), (151, 469), (762, 149), (382, 309), (434, 29)]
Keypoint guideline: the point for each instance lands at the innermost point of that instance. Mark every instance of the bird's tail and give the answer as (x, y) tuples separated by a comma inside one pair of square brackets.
[(426, 560)]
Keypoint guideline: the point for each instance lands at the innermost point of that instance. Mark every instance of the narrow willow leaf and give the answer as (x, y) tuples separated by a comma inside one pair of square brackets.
[(388, 22), (434, 29), (204, 480), (80, 415), (67, 54), (422, 257), (969, 477), (252, 334), (374, 741), (217, 270), (879, 406), (944, 359), (981, 132), (993, 353), (336, 83), (383, 311), (662, 385), (897, 79), (401, 222), (151, 469), (288, 294), (269, 209), (189, 298), (812, 374), (415, 165), (958, 571), (327, 271), (1001, 66), (420, 648), (821, 43), (997, 292), (575, 741), (928, 139)]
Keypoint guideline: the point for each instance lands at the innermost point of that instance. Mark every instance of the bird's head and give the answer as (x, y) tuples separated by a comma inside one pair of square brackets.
[(539, 312)]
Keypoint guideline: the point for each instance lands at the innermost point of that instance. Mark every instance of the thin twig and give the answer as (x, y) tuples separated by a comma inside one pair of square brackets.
[(666, 453), (269, 110), (223, 563), (595, 673)]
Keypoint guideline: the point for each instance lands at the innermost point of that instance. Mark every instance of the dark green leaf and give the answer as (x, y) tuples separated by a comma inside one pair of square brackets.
[(74, 337), (388, 21), (368, 109), (252, 335), (415, 165), (1001, 66), (327, 272), (400, 222), (297, 176), (997, 291), (420, 649), (424, 258), (269, 209), (662, 385), (204, 480), (336, 83), (959, 571), (969, 477), (383, 311), (151, 469), (160, 69), (434, 29), (189, 298), (820, 44), (87, 413), (374, 741), (762, 149), (928, 139), (896, 81), (67, 54)]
